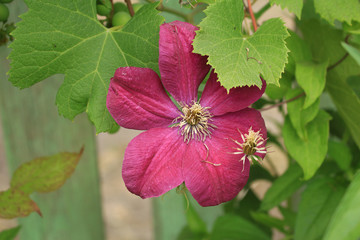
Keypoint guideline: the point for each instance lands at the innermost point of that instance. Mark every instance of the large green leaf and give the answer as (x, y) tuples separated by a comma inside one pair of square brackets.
[(344, 11), (311, 77), (231, 227), (311, 152), (283, 187), (238, 59), (345, 223), (318, 203), (43, 174), (65, 37), (294, 6)]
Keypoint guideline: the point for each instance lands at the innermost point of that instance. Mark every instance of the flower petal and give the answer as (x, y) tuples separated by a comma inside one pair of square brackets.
[(153, 162), (242, 121), (136, 99), (181, 70), (210, 183), (217, 178), (221, 102)]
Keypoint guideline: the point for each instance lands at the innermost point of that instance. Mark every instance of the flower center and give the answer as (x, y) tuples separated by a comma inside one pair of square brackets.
[(194, 123), (253, 142)]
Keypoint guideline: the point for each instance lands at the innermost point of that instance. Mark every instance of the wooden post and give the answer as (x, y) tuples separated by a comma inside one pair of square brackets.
[(32, 128)]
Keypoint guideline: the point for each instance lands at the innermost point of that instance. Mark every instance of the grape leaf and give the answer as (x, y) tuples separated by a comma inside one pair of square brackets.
[(345, 223), (294, 6), (318, 203), (311, 77), (66, 37), (344, 11), (309, 153), (283, 187), (42, 174), (238, 59)]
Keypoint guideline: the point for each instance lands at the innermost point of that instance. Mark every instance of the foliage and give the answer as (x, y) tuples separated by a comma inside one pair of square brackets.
[(44, 174), (314, 70)]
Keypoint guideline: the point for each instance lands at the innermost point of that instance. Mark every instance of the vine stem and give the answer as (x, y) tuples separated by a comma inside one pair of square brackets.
[(282, 103), (130, 7), (252, 15)]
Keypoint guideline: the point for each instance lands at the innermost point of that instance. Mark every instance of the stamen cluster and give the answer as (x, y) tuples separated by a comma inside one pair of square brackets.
[(194, 123), (252, 143)]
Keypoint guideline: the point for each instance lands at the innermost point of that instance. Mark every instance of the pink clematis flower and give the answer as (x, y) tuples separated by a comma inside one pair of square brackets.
[(206, 144)]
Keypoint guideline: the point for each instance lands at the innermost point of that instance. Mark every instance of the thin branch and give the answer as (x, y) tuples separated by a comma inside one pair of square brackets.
[(346, 40), (338, 62), (282, 103), (130, 7), (252, 15)]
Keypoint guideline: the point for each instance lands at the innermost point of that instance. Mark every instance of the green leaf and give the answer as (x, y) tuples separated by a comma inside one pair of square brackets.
[(9, 234), (311, 77), (340, 153), (14, 203), (238, 59), (283, 187), (323, 40), (187, 234), (299, 51), (269, 221), (300, 117), (317, 204), (344, 11), (353, 82), (289, 216), (309, 153), (65, 37), (278, 92), (45, 174), (354, 52), (232, 227), (345, 223), (294, 6), (195, 223), (346, 102), (42, 174)]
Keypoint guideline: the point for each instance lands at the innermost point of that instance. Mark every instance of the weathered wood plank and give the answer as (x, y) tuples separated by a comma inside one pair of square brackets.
[(33, 128)]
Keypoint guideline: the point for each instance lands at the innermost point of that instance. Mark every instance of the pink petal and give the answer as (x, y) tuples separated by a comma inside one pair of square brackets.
[(212, 184), (153, 163), (216, 96), (181, 70), (241, 121), (136, 99)]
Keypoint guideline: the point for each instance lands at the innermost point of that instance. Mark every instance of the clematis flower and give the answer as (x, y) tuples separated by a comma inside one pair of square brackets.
[(206, 143)]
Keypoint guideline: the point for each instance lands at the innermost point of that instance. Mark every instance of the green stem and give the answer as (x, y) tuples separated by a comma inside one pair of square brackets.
[(162, 8)]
